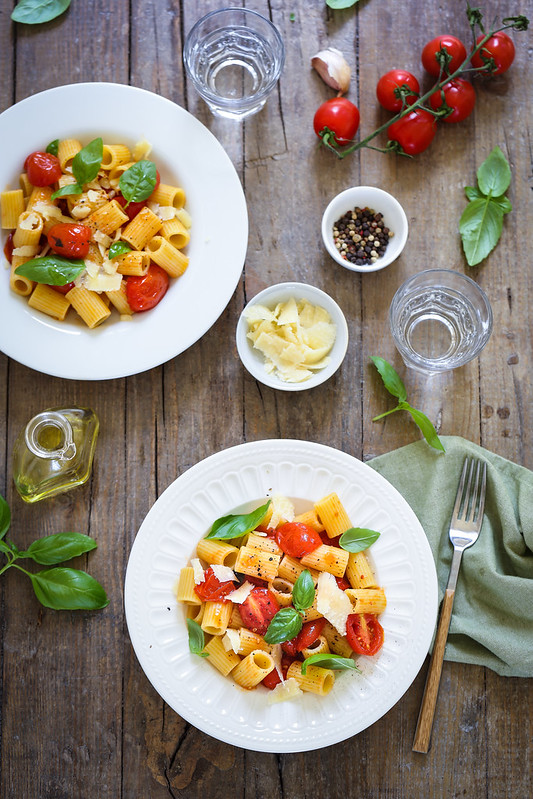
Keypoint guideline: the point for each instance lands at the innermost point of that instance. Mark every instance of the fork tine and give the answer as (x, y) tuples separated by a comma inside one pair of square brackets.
[(472, 495), (482, 492), (459, 496)]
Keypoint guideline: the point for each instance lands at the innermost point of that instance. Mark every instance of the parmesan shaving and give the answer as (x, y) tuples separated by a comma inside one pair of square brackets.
[(282, 510), (241, 593), (142, 149), (199, 574), (47, 210), (26, 251), (285, 690), (223, 573), (232, 640), (332, 602), (103, 282)]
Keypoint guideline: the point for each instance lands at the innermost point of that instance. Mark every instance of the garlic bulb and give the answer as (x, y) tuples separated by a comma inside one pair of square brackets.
[(333, 69)]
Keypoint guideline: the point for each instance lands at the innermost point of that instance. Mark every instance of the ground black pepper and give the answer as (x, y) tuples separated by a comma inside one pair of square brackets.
[(361, 237)]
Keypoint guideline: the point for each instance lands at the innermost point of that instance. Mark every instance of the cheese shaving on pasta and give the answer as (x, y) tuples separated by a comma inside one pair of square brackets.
[(241, 593), (198, 572), (223, 573), (285, 690), (282, 510), (332, 602), (232, 640)]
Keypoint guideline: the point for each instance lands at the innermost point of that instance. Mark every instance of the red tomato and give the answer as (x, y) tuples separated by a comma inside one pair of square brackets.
[(70, 239), (330, 542), (499, 47), (343, 583), (459, 94), (453, 46), (297, 539), (309, 633), (42, 169), (258, 610), (63, 289), (389, 83), (364, 633), (338, 115), (273, 679), (212, 590), (9, 247), (414, 132), (133, 208), (144, 292)]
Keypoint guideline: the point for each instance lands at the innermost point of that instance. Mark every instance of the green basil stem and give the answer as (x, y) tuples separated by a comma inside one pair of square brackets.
[(328, 136)]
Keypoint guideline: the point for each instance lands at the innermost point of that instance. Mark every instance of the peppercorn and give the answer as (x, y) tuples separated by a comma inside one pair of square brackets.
[(361, 236)]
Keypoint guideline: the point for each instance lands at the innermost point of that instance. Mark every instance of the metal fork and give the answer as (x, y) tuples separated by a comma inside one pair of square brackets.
[(467, 517)]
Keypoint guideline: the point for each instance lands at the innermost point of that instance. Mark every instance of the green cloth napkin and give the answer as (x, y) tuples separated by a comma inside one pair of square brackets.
[(492, 621)]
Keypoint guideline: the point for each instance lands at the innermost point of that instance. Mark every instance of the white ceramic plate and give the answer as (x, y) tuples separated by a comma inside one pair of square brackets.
[(238, 479), (185, 152)]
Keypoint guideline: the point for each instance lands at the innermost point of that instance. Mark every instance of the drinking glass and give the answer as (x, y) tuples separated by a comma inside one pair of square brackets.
[(439, 319), (234, 57)]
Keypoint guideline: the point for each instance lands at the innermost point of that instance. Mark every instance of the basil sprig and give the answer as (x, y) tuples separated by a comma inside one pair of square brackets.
[(329, 661), (138, 182), (118, 248), (85, 167), (53, 147), (196, 639), (54, 270), (59, 588), (357, 539), (237, 525), (394, 385), (287, 622), (33, 12), (481, 222)]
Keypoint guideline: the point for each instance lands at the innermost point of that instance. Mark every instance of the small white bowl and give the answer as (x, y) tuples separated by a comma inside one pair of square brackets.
[(381, 202), (254, 361)]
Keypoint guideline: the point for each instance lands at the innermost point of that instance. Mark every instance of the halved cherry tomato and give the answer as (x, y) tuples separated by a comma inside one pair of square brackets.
[(63, 289), (132, 209), (258, 610), (453, 46), (340, 116), (70, 239), (9, 247), (297, 539), (212, 589), (42, 169), (389, 83), (307, 636), (342, 583), (273, 679), (364, 633), (144, 292), (500, 48), (460, 95), (414, 132)]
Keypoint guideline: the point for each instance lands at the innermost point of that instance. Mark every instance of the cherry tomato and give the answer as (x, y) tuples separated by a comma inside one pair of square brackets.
[(258, 610), (364, 633), (42, 169), (70, 239), (144, 292), (459, 94), (297, 539), (307, 636), (132, 209), (343, 583), (389, 82), (63, 289), (414, 132), (340, 116), (499, 47), (452, 45), (212, 589), (273, 679), (330, 542), (9, 247)]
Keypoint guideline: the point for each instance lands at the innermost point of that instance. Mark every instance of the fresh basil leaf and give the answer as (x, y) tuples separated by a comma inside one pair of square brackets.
[(54, 270), (503, 203), (138, 182), (86, 164), (196, 638), (58, 548), (65, 191), (341, 3), (33, 12), (53, 147), (303, 592), (328, 661), (5, 517), (68, 589), (480, 227), (473, 193), (357, 539), (494, 174), (5, 547), (236, 525), (118, 248), (391, 379), (285, 625), (427, 429)]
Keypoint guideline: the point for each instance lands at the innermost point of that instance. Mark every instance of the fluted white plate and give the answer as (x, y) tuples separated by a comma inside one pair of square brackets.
[(187, 154), (235, 480)]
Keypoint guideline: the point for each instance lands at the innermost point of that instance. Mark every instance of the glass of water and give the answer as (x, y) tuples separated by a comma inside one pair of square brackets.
[(234, 57), (439, 319)]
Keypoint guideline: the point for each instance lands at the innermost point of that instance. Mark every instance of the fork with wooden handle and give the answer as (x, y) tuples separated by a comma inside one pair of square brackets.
[(467, 517)]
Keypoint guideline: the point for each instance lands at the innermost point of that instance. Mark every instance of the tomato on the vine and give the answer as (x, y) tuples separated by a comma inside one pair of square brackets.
[(212, 589), (414, 132), (42, 169), (500, 48), (70, 239), (460, 95), (364, 633), (297, 539), (454, 47), (145, 291), (389, 83), (338, 115), (258, 610)]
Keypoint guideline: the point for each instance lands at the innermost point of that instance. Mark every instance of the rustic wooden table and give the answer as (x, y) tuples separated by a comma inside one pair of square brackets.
[(78, 718)]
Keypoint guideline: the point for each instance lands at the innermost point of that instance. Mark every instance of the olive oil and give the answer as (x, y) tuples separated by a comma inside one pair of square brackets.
[(54, 452)]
